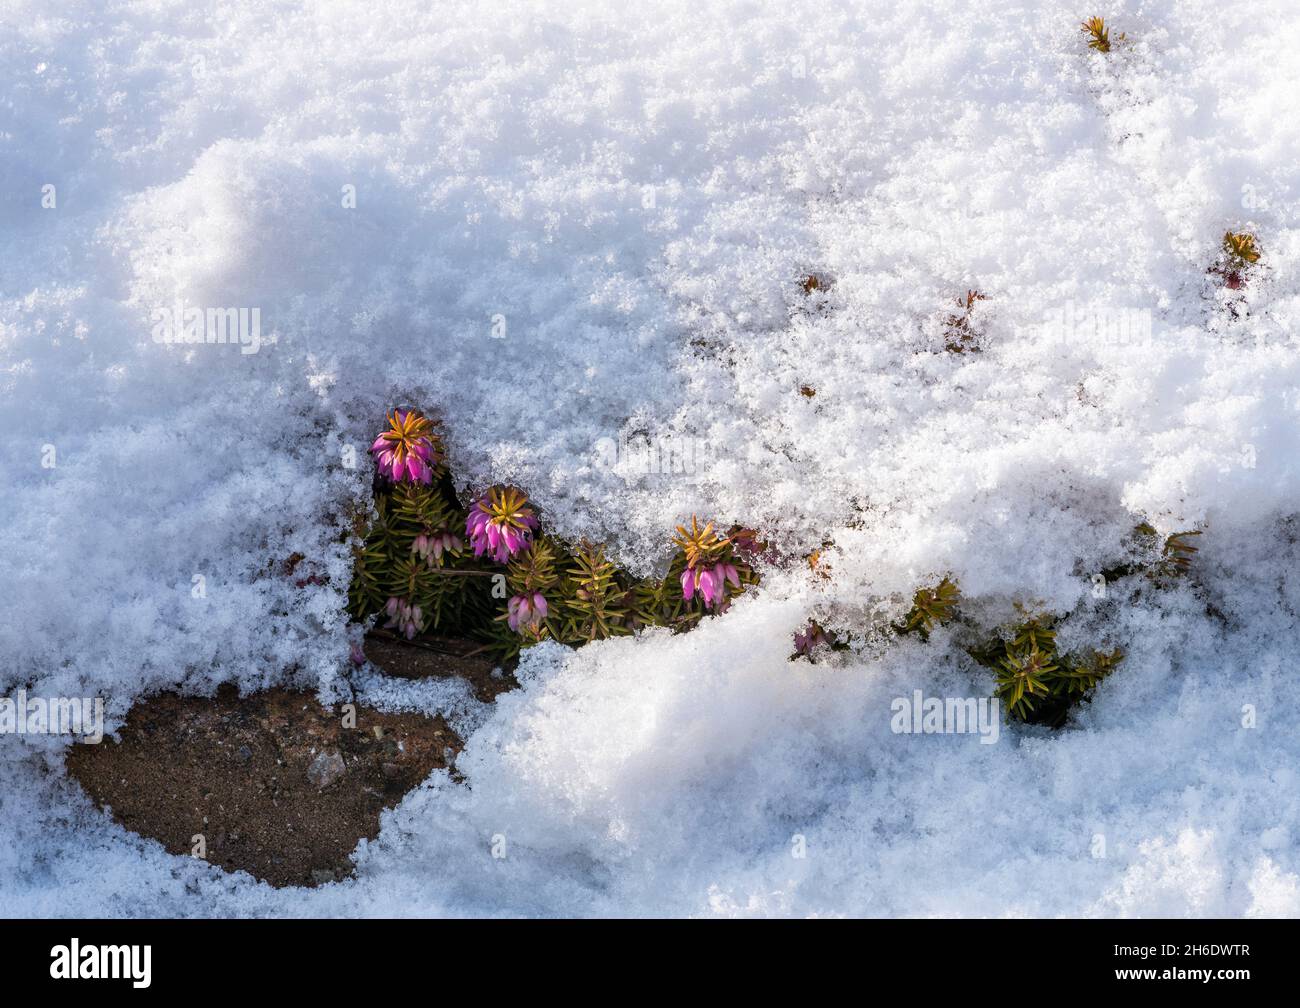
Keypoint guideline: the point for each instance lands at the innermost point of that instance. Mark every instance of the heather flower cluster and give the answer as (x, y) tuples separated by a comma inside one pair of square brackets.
[(708, 564), (526, 612), (709, 581), (409, 449), (431, 546), (500, 524), (418, 574), (404, 616)]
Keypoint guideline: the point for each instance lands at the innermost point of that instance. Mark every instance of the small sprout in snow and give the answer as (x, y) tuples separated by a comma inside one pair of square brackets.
[(1239, 253), (1178, 553), (1099, 34), (1241, 248), (807, 640), (1035, 682), (817, 561), (932, 607), (1175, 555), (807, 390), (962, 336), (500, 523), (745, 542)]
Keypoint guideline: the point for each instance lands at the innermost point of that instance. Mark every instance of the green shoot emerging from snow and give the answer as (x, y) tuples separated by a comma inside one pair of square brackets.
[(932, 607), (1098, 34)]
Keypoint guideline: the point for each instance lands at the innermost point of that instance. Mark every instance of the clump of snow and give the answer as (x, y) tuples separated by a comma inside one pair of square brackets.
[(574, 232)]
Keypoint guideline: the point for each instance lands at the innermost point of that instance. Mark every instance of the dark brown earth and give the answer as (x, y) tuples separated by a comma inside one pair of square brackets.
[(440, 657), (275, 784)]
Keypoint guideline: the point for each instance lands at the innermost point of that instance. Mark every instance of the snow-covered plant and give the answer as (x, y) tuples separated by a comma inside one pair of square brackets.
[(812, 637), (1239, 253), (1161, 561), (932, 607), (961, 333), (1035, 682), (1240, 248)]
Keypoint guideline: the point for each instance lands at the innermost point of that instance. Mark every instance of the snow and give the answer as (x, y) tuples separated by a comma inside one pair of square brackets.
[(636, 197)]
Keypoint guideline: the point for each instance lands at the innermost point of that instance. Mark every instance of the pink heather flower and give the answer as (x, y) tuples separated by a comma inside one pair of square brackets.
[(709, 581), (358, 654), (434, 545), (809, 639), (500, 523), (526, 611), (408, 449), (403, 616)]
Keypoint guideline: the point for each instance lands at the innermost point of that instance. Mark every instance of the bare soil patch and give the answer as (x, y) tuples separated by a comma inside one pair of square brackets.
[(273, 782)]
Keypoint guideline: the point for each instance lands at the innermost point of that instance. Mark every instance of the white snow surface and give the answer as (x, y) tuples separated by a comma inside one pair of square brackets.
[(637, 192)]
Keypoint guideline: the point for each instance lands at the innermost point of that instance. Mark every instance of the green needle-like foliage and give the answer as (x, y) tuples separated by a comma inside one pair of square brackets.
[(533, 569), (1022, 677), (1077, 679), (1178, 554), (416, 509), (593, 608), (932, 607), (659, 602), (1172, 558), (1035, 682), (366, 593)]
